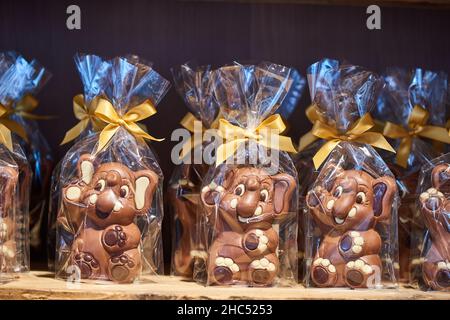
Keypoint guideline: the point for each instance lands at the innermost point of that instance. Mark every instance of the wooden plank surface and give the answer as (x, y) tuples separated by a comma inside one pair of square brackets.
[(42, 285)]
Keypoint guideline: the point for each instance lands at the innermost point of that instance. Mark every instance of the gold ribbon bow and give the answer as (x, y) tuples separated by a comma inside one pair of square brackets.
[(188, 122), (106, 112), (85, 114), (26, 106), (416, 128), (358, 133), (263, 134), (7, 125)]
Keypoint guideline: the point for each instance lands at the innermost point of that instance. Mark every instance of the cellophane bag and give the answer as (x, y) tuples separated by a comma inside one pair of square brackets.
[(111, 208), (194, 85), (307, 173), (351, 225), (38, 153), (15, 171), (250, 200), (403, 92), (93, 71), (433, 189)]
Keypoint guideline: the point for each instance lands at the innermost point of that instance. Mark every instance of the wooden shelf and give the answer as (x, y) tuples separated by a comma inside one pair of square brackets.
[(42, 285)]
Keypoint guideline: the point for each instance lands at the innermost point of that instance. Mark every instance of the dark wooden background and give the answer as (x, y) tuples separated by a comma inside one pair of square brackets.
[(170, 32)]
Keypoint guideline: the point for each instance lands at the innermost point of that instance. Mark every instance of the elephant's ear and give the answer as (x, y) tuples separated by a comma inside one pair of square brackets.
[(283, 187), (384, 190), (440, 175), (86, 168), (145, 184)]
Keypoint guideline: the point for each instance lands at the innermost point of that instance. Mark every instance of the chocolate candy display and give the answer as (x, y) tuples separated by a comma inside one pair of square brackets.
[(110, 210), (194, 85), (250, 196), (413, 105), (433, 206), (350, 230), (249, 201), (347, 210)]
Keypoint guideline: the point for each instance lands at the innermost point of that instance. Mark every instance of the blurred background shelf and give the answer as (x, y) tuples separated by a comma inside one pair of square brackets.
[(40, 285)]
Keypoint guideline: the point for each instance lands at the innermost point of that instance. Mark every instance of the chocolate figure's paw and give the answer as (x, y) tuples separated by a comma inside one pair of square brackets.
[(432, 199), (443, 274), (224, 270), (256, 240), (351, 244), (122, 269), (88, 265), (356, 273), (323, 273), (263, 271), (115, 236), (211, 193)]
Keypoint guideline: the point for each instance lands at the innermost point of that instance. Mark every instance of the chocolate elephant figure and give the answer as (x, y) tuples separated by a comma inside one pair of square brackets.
[(242, 211), (346, 209), (8, 249), (100, 205), (435, 208)]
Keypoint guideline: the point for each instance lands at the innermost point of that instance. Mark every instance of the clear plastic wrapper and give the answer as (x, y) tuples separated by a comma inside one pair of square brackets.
[(414, 101), (16, 175), (110, 210), (351, 221), (250, 199), (433, 267), (93, 71), (194, 84)]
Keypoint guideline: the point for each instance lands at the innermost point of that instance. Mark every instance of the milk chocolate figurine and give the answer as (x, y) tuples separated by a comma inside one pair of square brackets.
[(102, 204), (435, 211), (184, 197), (346, 209), (245, 243), (8, 179)]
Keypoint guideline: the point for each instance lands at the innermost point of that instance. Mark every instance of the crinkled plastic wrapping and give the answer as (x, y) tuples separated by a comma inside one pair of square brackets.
[(16, 176), (93, 71), (110, 210), (432, 269), (194, 84), (404, 90), (250, 205), (38, 153), (351, 226)]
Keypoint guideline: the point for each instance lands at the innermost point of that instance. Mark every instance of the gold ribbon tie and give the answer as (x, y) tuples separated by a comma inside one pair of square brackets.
[(417, 128), (265, 133), (106, 112), (7, 125), (358, 133)]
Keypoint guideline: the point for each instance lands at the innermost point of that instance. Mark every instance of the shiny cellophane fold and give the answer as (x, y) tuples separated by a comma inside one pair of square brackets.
[(404, 90), (430, 262), (15, 76), (349, 240), (93, 71), (250, 207), (109, 226)]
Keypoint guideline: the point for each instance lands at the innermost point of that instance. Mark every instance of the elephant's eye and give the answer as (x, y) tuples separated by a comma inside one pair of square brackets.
[(124, 190), (264, 195), (360, 197), (338, 192), (240, 189), (100, 185)]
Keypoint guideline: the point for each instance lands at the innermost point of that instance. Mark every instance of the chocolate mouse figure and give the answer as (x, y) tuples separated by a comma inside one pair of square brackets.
[(346, 210), (245, 242), (8, 181), (101, 205), (435, 208)]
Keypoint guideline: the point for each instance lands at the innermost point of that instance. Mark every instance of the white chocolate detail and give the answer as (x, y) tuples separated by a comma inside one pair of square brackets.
[(142, 183), (73, 193), (87, 171)]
